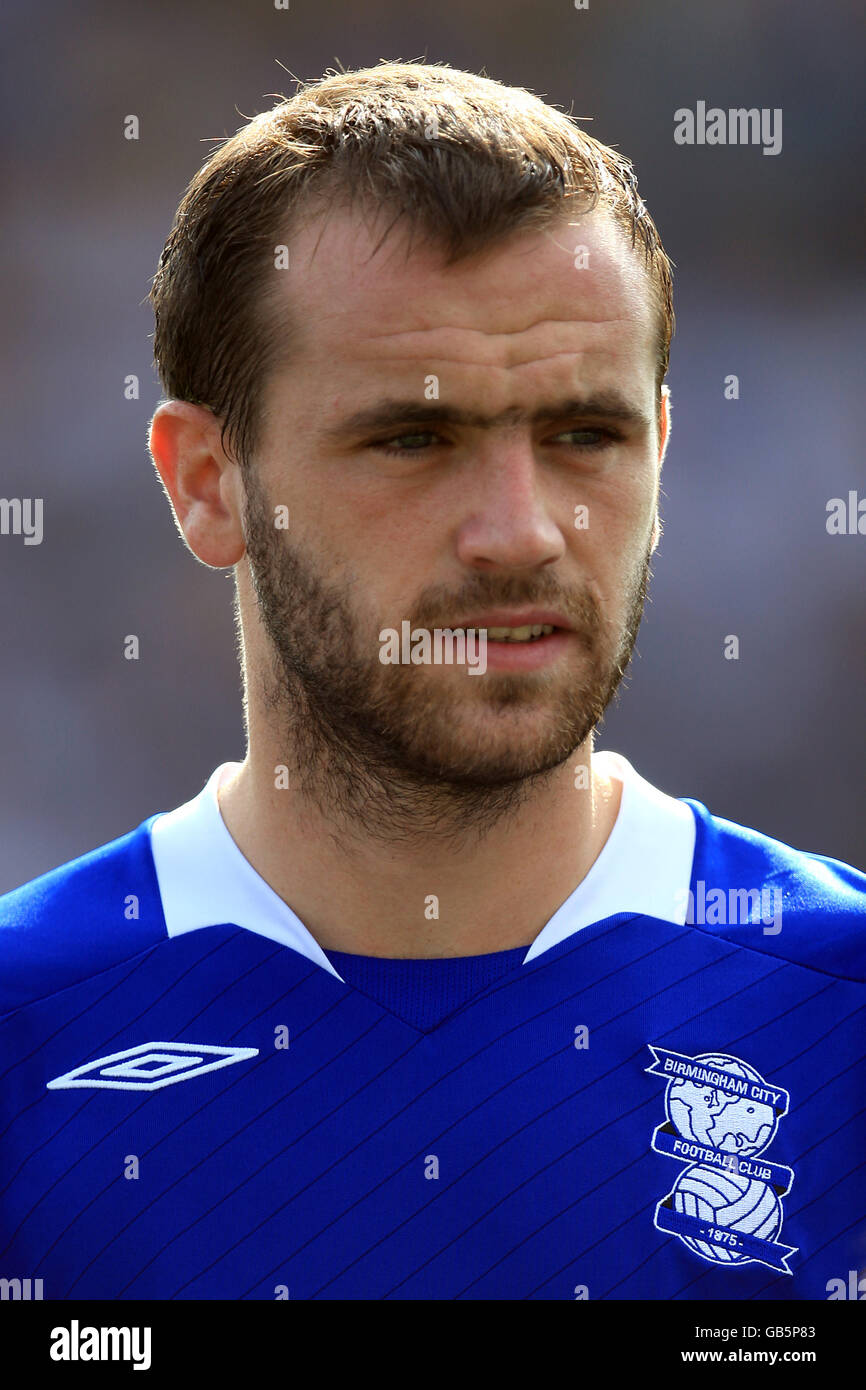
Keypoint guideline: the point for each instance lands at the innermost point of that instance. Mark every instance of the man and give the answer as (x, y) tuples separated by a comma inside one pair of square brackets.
[(427, 999)]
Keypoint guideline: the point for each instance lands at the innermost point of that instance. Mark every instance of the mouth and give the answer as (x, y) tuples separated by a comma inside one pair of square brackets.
[(523, 642), (525, 627), (527, 633)]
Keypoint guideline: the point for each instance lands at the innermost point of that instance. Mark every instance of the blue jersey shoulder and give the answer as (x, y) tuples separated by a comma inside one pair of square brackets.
[(81, 918), (760, 893)]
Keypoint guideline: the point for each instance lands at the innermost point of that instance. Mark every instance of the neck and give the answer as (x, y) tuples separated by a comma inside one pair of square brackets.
[(434, 887)]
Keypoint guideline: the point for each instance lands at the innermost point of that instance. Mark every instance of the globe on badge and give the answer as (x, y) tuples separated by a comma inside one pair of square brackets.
[(720, 1119)]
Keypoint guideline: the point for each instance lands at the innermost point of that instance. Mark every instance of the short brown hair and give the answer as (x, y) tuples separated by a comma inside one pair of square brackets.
[(467, 159)]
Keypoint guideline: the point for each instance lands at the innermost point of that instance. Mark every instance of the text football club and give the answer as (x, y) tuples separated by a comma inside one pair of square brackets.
[(721, 1115)]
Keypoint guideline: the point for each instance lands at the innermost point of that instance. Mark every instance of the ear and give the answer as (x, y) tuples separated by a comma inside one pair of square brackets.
[(203, 484), (664, 434), (665, 406)]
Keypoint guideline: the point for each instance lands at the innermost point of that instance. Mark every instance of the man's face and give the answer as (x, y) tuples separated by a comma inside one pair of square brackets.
[(478, 371)]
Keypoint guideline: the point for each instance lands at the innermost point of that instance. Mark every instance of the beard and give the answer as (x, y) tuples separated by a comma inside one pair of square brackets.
[(389, 750)]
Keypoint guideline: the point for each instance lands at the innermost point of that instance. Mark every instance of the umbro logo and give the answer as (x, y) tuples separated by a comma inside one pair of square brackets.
[(151, 1065)]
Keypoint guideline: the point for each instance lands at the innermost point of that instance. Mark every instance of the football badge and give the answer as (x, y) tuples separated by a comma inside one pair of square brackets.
[(725, 1206)]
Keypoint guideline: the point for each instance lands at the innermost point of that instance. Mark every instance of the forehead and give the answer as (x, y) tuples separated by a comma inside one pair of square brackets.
[(570, 300)]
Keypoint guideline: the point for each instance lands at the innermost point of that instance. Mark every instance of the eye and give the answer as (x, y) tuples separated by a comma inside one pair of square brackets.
[(410, 443), (588, 438), (415, 442)]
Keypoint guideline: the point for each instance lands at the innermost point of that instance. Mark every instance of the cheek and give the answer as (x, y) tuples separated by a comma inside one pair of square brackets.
[(624, 514), (609, 555), (374, 521)]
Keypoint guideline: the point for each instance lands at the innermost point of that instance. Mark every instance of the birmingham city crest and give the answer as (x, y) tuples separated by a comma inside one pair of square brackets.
[(725, 1205)]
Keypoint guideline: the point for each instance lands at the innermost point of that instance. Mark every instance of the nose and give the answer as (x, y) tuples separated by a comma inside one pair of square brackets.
[(507, 522)]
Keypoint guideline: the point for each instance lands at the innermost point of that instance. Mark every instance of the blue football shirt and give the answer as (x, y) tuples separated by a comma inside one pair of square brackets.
[(663, 1097)]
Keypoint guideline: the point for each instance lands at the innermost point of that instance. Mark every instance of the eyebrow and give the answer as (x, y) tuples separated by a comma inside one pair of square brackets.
[(604, 405)]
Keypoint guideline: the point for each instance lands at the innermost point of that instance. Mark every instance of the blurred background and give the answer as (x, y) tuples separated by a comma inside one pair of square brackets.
[(769, 286)]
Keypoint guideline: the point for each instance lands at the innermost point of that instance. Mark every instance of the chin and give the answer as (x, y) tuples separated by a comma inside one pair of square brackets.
[(483, 761)]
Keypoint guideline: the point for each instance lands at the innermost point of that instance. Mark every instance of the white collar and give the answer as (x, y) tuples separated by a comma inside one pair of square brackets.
[(644, 867)]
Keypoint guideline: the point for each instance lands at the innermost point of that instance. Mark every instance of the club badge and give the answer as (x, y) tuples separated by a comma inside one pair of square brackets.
[(725, 1206)]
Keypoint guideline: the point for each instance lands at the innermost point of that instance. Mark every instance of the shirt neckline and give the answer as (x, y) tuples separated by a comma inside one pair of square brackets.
[(644, 868)]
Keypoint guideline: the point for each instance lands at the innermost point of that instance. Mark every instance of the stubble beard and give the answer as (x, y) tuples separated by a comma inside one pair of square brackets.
[(379, 750)]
